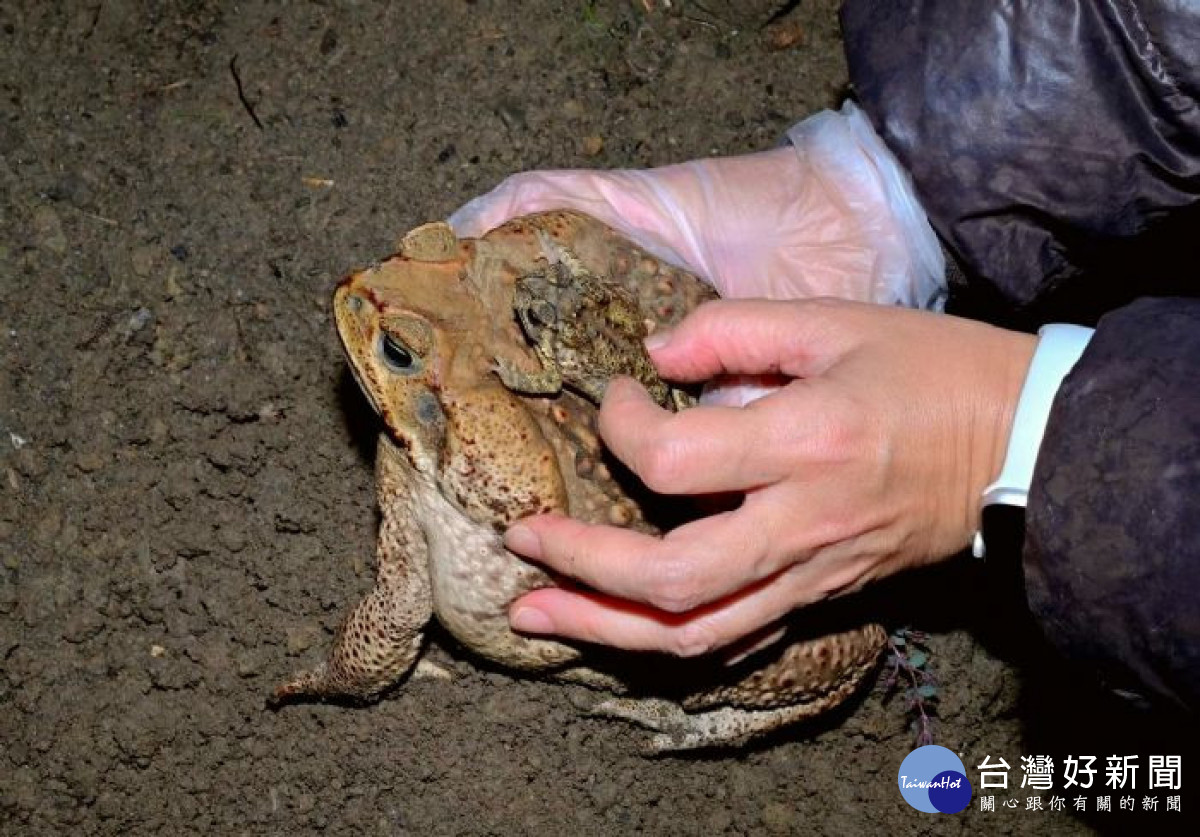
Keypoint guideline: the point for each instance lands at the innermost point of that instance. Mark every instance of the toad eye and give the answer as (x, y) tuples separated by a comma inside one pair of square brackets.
[(397, 356)]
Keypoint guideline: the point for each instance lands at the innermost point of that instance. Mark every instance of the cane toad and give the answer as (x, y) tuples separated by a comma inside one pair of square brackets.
[(445, 339), (584, 330)]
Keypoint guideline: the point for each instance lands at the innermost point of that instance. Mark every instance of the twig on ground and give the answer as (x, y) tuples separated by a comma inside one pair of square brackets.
[(237, 79)]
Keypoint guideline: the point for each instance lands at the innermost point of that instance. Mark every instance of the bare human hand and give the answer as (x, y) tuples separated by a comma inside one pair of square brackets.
[(871, 459)]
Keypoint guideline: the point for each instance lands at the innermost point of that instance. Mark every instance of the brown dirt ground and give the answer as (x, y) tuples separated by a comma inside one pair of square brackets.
[(185, 478)]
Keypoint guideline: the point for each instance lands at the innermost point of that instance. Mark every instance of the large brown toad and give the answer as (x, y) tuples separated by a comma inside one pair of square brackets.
[(546, 303)]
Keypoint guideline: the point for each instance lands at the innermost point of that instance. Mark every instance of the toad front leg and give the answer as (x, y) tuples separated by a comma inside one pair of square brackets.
[(380, 639), (545, 381)]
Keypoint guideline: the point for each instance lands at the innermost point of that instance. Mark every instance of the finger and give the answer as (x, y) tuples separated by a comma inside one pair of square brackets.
[(590, 617), (624, 200), (750, 615), (612, 197), (673, 577), (753, 614), (520, 194), (693, 565), (703, 450), (797, 338)]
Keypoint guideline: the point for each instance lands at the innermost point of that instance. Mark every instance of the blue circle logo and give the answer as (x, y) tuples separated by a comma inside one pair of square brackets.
[(932, 779)]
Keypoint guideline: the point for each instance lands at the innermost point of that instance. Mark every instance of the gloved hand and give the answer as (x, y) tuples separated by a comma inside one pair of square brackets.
[(831, 214)]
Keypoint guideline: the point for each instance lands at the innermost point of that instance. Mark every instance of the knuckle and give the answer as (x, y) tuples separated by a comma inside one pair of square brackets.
[(706, 319), (844, 432), (661, 464), (711, 309), (674, 587), (831, 319), (833, 313), (692, 639)]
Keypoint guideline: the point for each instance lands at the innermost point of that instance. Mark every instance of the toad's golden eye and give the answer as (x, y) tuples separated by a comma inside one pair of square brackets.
[(396, 355)]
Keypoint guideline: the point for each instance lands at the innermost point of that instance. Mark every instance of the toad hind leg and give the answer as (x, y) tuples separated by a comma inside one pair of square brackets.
[(808, 678), (380, 639), (727, 726)]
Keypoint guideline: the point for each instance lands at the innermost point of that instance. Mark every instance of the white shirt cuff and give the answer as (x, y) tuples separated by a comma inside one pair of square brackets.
[(1058, 350)]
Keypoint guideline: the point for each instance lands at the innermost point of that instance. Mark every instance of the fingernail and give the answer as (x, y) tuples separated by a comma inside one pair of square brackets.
[(658, 338), (530, 621), (523, 540)]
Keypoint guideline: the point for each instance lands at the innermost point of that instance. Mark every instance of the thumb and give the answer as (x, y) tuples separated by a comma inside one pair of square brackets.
[(798, 338)]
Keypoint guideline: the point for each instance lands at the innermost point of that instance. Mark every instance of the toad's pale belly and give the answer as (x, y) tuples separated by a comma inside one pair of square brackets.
[(475, 579)]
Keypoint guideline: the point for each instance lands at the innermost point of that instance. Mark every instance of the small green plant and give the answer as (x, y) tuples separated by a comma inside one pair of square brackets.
[(591, 18), (908, 674)]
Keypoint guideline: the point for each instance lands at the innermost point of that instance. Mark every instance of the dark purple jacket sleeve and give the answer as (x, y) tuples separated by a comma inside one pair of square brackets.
[(1056, 148)]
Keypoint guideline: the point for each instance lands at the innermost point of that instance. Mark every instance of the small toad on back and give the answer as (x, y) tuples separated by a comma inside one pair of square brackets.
[(585, 330)]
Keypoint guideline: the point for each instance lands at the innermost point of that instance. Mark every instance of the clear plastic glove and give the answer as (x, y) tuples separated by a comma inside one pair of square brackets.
[(831, 214)]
